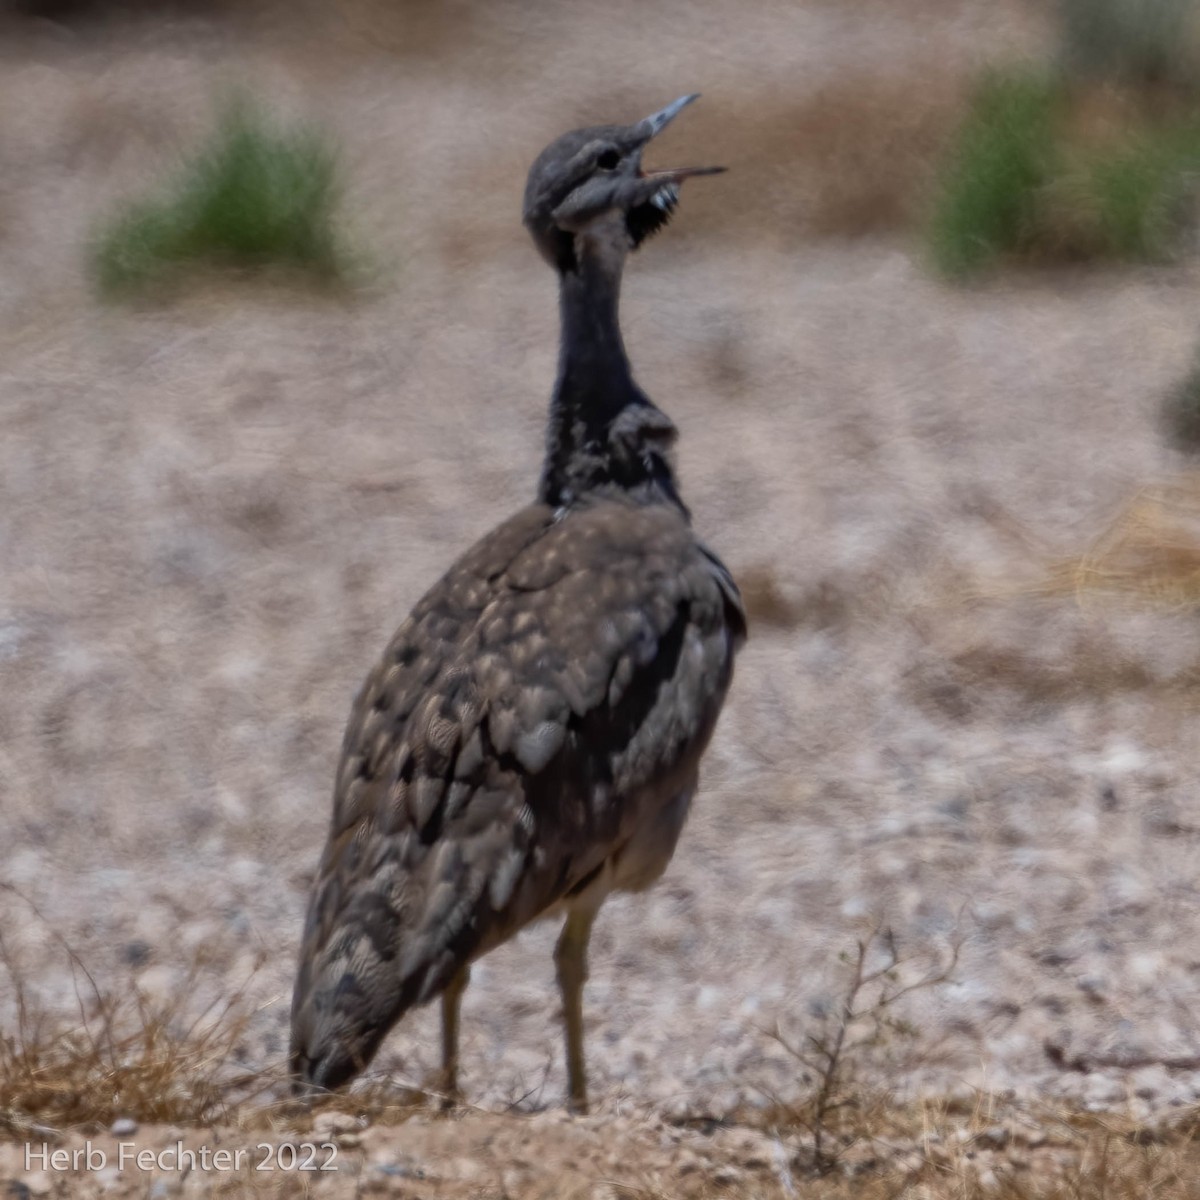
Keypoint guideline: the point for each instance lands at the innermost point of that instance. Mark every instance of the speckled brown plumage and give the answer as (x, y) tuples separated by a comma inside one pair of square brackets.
[(530, 739)]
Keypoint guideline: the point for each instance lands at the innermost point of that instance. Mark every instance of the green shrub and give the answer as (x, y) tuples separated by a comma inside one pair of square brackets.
[(1130, 41), (1026, 180), (1140, 191), (255, 196), (1004, 154)]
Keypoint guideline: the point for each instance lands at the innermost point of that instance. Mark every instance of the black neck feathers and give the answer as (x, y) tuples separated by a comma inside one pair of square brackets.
[(604, 433)]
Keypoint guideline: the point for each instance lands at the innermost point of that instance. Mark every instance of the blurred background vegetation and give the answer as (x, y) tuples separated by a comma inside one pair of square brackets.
[(251, 196), (1086, 152), (1094, 155)]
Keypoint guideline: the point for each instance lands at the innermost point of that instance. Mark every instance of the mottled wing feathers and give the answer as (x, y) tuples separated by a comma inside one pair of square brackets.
[(554, 682)]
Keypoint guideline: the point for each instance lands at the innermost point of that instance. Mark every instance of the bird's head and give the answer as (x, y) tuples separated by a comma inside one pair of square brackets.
[(590, 183)]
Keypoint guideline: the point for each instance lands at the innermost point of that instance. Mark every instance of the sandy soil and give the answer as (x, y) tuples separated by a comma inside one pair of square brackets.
[(217, 509)]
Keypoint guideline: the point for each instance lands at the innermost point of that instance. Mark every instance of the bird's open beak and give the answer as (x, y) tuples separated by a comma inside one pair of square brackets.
[(654, 124)]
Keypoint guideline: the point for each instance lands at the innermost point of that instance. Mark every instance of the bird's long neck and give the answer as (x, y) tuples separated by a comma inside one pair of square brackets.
[(592, 361), (603, 431)]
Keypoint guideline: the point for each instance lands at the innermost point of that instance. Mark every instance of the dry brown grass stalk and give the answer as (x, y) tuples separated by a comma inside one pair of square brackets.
[(123, 1054)]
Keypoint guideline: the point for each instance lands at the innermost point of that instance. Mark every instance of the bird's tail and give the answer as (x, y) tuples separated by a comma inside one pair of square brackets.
[(351, 989)]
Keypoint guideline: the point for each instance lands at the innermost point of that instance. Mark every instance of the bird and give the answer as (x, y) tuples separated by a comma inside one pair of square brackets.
[(530, 740)]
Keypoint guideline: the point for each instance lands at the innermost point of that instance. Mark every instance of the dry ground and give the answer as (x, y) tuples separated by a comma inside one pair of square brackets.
[(619, 1155), (216, 509)]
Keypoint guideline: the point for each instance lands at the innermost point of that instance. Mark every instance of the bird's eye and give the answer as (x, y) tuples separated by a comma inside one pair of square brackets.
[(608, 160)]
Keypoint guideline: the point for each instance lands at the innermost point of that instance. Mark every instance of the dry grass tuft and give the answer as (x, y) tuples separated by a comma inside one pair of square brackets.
[(1151, 551), (124, 1055), (1148, 557)]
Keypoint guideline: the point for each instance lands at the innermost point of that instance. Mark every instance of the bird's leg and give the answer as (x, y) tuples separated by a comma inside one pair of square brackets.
[(570, 959), (451, 1000)]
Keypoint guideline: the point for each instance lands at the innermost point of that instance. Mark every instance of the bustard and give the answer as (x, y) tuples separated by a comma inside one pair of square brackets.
[(530, 740)]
